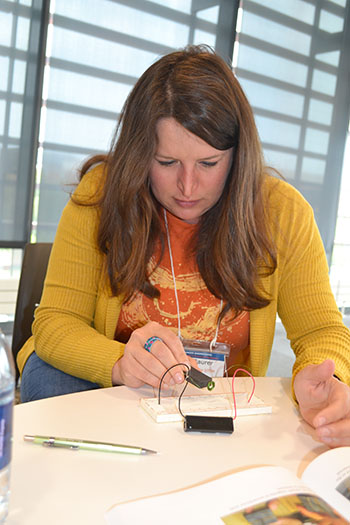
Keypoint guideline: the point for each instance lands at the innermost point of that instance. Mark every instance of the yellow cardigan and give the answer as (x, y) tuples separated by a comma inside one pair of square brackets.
[(75, 323)]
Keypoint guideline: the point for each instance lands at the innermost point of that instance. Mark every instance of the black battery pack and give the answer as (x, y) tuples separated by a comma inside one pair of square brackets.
[(222, 425)]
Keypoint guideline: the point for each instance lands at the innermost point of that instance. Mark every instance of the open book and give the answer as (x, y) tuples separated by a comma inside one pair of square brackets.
[(258, 496)]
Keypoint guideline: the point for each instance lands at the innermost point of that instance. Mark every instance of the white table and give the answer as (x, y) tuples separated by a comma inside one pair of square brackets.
[(60, 486)]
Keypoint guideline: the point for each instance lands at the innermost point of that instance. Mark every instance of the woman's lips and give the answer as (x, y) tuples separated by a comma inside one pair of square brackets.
[(186, 204)]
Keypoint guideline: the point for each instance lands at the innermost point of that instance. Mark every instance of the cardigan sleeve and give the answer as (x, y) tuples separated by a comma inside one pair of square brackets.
[(306, 304), (64, 331)]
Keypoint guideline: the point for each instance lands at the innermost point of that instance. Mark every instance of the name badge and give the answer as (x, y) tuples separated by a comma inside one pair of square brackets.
[(211, 359)]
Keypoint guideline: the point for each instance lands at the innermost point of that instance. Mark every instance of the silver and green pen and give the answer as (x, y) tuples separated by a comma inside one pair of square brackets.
[(77, 444)]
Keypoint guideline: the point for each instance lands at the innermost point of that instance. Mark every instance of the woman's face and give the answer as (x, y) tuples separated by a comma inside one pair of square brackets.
[(187, 174)]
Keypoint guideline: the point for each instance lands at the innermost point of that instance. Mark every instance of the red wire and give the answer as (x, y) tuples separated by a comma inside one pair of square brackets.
[(233, 391)]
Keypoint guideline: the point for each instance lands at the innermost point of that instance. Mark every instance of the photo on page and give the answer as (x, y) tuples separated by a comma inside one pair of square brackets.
[(295, 509)]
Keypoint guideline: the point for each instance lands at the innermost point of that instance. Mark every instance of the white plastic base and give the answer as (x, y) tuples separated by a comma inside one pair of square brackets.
[(203, 405)]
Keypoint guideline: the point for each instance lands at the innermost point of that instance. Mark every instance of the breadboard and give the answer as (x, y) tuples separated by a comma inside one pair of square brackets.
[(203, 405)]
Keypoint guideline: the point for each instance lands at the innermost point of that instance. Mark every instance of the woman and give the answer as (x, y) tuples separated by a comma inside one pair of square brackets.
[(180, 231)]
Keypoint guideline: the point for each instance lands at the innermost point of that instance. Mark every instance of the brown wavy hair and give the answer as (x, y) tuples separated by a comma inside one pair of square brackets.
[(232, 247)]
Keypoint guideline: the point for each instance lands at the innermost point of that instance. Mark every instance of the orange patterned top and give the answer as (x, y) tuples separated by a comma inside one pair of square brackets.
[(199, 309)]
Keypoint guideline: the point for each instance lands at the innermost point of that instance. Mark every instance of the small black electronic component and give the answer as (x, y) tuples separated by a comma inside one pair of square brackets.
[(198, 379), (222, 425)]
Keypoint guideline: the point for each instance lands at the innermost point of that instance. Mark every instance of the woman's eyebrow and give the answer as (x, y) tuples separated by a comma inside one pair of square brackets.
[(217, 156), (163, 156)]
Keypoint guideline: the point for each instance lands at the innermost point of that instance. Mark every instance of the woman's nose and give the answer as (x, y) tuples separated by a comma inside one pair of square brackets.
[(187, 181)]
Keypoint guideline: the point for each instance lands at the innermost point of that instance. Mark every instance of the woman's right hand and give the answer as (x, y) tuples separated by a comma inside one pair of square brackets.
[(139, 366)]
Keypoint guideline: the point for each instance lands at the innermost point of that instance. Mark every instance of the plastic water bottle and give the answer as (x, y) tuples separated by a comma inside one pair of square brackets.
[(7, 392)]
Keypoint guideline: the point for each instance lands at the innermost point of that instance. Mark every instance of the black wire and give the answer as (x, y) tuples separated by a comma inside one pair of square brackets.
[(179, 400), (166, 371)]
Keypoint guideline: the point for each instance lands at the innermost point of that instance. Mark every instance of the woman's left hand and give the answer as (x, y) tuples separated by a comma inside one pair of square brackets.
[(324, 402)]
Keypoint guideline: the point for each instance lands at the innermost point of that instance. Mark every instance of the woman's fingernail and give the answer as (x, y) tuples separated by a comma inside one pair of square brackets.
[(179, 378), (324, 432), (321, 421)]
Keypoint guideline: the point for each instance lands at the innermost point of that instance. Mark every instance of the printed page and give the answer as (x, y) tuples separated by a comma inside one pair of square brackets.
[(259, 495), (329, 476)]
